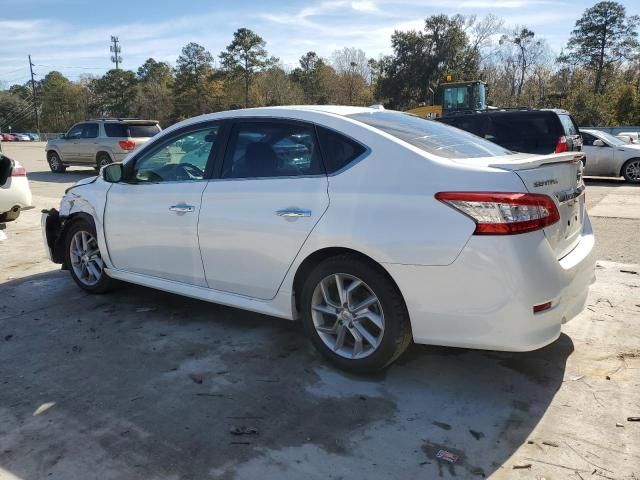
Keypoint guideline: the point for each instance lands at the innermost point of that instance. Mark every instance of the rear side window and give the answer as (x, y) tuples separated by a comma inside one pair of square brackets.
[(569, 125), (116, 130), (143, 131), (432, 137), (272, 149), (337, 150)]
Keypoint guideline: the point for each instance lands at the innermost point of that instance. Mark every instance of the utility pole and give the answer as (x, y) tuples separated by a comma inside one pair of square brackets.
[(115, 49), (35, 98)]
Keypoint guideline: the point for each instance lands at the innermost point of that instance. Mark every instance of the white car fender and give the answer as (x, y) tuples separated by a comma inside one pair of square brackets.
[(89, 196)]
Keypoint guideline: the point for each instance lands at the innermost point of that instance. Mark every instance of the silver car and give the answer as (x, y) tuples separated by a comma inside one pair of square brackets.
[(98, 142), (608, 156)]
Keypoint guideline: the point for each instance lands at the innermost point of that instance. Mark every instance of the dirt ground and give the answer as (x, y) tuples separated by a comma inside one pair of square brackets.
[(145, 384)]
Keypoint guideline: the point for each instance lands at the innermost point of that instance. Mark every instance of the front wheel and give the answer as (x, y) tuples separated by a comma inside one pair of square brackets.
[(83, 258), (354, 314), (55, 163), (631, 170)]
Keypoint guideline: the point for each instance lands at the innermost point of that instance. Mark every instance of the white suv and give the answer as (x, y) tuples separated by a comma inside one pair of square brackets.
[(98, 142)]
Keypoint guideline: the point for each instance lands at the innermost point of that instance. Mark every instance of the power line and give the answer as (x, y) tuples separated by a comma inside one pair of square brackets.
[(62, 66), (11, 118), (18, 118)]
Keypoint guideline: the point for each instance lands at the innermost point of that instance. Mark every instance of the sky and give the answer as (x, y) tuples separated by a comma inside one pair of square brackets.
[(73, 36)]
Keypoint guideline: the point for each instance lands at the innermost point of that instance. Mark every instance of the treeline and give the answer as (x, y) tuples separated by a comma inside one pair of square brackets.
[(596, 76)]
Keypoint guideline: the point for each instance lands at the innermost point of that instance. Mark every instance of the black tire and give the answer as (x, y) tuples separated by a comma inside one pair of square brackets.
[(55, 163), (105, 283), (626, 174), (396, 336), (102, 160)]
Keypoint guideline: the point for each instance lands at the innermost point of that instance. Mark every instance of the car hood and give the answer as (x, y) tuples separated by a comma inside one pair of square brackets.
[(84, 181)]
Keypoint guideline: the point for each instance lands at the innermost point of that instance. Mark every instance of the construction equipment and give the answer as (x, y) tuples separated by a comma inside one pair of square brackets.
[(454, 97)]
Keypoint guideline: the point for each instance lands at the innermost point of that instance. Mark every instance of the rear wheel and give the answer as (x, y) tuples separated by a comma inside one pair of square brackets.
[(354, 314), (102, 160), (55, 163), (631, 170), (82, 255)]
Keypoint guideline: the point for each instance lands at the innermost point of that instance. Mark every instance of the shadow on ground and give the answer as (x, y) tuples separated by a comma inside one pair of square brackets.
[(66, 177), (145, 384)]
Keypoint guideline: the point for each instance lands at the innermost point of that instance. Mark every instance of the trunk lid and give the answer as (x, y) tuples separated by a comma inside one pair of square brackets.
[(560, 177)]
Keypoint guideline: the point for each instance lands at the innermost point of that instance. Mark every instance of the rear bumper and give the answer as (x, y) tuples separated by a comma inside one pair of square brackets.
[(485, 298)]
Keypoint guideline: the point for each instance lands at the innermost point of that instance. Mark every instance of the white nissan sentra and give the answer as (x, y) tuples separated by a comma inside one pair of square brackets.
[(372, 227)]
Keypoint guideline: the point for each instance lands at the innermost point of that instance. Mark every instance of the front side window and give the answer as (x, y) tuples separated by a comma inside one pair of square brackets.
[(75, 132), (587, 139), (183, 158), (271, 149), (432, 137), (90, 130)]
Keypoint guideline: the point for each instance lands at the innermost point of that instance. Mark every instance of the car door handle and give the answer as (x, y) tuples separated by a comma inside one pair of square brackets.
[(293, 213), (182, 208)]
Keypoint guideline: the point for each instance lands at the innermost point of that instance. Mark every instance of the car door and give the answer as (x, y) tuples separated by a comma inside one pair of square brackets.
[(87, 143), (598, 158), (270, 192), (151, 219), (68, 145)]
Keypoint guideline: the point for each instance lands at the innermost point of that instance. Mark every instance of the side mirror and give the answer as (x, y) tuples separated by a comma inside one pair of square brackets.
[(112, 173), (598, 143)]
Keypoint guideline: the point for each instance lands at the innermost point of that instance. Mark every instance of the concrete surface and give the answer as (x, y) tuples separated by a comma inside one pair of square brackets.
[(144, 384)]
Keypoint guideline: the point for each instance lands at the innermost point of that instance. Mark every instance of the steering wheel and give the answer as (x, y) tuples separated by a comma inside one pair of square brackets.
[(191, 171)]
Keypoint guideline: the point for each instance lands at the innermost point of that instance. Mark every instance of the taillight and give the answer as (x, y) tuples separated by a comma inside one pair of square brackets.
[(497, 213), (127, 144), (18, 170), (562, 145)]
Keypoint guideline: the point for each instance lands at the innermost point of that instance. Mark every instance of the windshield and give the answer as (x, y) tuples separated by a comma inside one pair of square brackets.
[(432, 137), (610, 139)]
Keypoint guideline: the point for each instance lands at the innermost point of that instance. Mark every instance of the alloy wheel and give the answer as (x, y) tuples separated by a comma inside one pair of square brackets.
[(54, 161), (347, 316), (85, 257), (632, 170)]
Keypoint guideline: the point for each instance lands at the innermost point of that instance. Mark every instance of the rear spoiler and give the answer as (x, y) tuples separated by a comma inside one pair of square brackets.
[(535, 161), (141, 122)]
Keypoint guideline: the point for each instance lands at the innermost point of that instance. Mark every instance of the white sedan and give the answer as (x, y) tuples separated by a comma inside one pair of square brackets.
[(609, 156), (373, 227), (15, 194)]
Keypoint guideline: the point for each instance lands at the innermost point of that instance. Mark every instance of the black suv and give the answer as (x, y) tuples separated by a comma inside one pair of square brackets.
[(522, 130)]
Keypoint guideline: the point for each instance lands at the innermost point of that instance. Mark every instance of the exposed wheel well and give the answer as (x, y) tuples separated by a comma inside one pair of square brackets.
[(58, 253), (313, 260)]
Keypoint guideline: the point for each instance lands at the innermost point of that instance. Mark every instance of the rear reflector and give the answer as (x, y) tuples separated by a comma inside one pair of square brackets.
[(542, 307), (127, 144), (497, 213), (562, 145)]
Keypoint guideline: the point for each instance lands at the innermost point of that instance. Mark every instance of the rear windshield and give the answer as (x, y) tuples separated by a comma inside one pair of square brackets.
[(430, 136), (528, 132), (569, 125), (133, 131)]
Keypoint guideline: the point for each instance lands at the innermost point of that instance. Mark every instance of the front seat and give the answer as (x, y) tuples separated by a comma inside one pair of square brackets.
[(260, 161)]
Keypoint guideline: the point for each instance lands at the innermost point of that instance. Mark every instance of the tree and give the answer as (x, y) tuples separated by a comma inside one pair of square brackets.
[(528, 50), (154, 99), (274, 87), (245, 57), (193, 76), (352, 66), (421, 59), (603, 36), (115, 93), (316, 78), (63, 102)]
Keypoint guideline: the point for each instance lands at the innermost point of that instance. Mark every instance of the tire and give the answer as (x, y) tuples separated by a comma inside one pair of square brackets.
[(55, 163), (102, 160), (631, 170), (88, 273), (389, 334)]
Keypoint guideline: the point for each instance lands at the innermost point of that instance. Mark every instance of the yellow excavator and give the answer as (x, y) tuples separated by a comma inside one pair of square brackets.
[(454, 97)]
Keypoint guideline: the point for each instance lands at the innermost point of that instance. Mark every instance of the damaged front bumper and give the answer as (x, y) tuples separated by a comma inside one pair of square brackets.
[(52, 224)]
